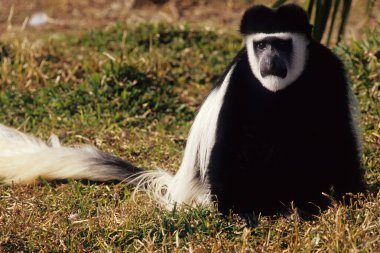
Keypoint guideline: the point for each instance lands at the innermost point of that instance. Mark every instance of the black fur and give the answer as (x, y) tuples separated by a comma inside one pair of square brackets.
[(274, 148), (287, 18), (119, 169)]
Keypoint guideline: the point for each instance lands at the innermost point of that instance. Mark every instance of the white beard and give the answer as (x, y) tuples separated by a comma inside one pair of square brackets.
[(295, 69)]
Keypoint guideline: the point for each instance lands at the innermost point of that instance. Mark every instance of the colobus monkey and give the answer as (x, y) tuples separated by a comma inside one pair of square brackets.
[(277, 128)]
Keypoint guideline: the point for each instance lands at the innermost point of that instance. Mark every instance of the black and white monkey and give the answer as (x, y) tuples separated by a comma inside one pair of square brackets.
[(278, 127)]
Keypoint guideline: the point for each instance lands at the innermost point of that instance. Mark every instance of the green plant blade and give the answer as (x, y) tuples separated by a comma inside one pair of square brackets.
[(333, 18), (345, 14), (309, 7), (323, 8)]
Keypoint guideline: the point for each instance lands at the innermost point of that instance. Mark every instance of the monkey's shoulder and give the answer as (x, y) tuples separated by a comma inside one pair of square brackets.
[(322, 58)]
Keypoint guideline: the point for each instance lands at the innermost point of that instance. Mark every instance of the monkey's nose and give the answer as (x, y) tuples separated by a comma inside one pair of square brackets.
[(273, 66)]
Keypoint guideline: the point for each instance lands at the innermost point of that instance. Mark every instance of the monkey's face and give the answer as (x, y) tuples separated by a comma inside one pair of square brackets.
[(274, 56), (276, 59)]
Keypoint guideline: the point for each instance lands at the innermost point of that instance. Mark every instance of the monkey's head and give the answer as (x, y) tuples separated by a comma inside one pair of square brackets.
[(277, 43)]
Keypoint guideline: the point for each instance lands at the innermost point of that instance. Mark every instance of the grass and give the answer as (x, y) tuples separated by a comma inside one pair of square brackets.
[(133, 91)]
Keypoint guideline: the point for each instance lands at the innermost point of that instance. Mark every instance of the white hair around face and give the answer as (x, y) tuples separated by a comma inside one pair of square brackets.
[(294, 68)]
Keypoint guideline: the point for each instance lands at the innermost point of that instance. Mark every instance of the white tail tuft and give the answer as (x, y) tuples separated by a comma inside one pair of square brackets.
[(24, 158)]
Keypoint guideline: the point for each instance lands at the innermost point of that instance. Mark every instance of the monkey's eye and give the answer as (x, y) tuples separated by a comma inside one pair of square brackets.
[(261, 45), (284, 44)]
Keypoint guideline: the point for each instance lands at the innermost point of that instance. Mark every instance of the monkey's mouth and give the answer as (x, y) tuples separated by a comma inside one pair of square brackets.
[(273, 67)]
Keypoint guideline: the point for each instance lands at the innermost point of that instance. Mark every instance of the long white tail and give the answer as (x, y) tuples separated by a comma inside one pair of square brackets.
[(24, 158)]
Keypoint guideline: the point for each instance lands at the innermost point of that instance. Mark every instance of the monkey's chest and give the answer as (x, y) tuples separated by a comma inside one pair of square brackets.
[(271, 147), (267, 158)]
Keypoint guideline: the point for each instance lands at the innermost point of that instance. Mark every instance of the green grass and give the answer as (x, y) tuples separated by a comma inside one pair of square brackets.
[(133, 91)]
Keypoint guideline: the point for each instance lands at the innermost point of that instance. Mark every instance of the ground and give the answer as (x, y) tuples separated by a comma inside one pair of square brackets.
[(132, 90)]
